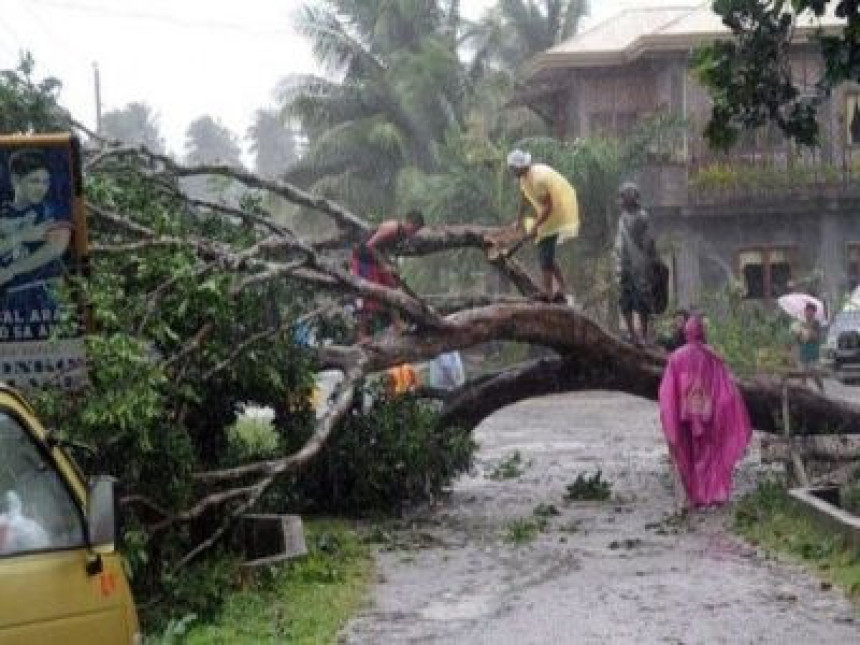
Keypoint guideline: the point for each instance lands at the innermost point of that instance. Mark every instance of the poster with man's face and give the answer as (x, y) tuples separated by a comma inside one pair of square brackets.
[(42, 245)]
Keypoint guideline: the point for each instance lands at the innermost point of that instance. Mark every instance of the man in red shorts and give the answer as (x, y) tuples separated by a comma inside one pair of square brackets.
[(372, 316)]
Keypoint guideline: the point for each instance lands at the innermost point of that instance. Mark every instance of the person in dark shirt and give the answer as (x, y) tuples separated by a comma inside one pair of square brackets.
[(635, 257)]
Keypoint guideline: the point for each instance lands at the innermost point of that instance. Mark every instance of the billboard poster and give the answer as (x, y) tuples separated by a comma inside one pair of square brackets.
[(42, 244)]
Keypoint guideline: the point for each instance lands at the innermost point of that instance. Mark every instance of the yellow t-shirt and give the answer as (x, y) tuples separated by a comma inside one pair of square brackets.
[(542, 181)]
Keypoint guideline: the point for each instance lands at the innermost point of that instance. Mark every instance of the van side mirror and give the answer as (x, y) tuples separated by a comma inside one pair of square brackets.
[(101, 512)]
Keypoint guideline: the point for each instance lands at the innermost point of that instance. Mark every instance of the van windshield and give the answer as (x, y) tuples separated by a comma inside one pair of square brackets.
[(37, 511)]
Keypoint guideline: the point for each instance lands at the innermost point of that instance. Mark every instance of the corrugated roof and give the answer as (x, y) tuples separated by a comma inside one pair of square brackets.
[(703, 21), (617, 33), (633, 32), (700, 21)]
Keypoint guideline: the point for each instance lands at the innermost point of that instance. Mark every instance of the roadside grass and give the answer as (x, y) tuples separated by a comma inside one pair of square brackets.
[(768, 518), (303, 602), (523, 530)]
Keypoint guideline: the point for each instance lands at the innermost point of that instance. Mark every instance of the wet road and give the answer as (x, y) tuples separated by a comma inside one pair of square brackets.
[(615, 572)]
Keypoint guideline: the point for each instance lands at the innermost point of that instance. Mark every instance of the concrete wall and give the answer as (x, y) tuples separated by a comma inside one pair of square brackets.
[(705, 238), (610, 100), (606, 100), (706, 245)]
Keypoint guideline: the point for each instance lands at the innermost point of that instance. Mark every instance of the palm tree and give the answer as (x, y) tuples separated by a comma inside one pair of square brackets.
[(514, 31), (28, 105), (136, 123), (509, 35), (399, 90), (207, 140), (272, 144)]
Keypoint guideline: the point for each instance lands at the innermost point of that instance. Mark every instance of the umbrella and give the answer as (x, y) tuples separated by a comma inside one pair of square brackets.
[(794, 305)]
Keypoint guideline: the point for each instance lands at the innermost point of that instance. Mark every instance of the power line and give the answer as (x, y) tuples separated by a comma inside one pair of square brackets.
[(8, 29), (103, 10), (52, 35)]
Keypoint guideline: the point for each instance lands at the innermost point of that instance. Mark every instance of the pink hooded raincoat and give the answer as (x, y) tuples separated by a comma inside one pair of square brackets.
[(704, 418)]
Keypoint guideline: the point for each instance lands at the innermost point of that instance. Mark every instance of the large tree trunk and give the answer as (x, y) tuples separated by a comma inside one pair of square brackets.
[(829, 448), (811, 413), (590, 358)]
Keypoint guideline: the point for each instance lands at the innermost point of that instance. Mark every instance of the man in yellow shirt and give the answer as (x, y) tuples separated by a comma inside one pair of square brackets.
[(557, 215)]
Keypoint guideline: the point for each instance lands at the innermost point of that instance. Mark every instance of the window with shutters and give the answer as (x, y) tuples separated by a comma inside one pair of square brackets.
[(766, 271)]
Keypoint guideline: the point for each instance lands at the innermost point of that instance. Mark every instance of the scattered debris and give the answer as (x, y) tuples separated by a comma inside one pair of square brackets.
[(589, 488), (574, 526), (405, 539), (671, 524), (511, 467), (545, 510)]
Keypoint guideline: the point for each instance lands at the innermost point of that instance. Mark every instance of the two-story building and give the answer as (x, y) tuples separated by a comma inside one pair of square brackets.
[(769, 214)]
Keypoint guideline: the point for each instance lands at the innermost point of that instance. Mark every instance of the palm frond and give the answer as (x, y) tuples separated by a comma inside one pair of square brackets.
[(571, 18), (333, 45)]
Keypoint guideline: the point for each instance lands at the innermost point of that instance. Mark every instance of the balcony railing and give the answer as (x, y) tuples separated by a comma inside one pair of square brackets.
[(772, 175)]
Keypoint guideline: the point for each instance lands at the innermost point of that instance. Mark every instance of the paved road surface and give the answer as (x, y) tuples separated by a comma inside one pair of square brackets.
[(616, 572)]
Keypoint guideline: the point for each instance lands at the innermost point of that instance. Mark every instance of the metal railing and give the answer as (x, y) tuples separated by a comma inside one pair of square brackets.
[(774, 173)]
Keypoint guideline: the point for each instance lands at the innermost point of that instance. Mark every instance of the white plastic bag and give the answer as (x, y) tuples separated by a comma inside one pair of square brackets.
[(17, 532)]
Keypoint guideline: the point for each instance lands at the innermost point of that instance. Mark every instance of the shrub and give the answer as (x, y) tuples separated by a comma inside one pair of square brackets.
[(198, 591), (750, 338), (717, 176), (380, 461)]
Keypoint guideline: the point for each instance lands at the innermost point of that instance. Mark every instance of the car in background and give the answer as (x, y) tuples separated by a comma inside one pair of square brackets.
[(840, 354)]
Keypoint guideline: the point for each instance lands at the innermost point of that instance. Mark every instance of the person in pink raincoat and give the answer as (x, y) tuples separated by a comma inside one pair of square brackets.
[(704, 419)]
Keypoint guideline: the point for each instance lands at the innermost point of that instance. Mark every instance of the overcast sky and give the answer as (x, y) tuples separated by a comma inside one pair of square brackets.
[(184, 58)]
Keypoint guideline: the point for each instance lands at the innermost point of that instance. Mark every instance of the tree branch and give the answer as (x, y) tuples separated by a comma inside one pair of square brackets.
[(342, 217), (343, 398)]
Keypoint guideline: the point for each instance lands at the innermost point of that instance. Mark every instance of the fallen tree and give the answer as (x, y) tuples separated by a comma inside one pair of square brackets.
[(269, 254)]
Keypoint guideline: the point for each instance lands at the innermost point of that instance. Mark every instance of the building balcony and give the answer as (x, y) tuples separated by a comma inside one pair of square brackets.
[(752, 178)]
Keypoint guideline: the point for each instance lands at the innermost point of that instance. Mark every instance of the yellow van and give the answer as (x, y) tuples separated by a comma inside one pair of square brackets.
[(61, 579)]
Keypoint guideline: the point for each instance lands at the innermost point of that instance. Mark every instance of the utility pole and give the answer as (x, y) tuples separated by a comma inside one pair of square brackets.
[(98, 88)]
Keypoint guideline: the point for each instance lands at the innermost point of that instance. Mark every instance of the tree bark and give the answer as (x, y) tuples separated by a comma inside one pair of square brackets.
[(590, 358), (831, 448)]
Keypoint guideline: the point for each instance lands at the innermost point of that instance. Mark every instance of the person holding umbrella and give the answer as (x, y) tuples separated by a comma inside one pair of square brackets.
[(807, 332), (808, 336)]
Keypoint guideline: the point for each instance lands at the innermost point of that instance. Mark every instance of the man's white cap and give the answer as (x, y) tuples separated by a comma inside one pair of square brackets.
[(519, 159)]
